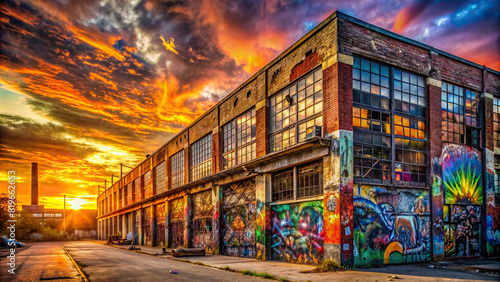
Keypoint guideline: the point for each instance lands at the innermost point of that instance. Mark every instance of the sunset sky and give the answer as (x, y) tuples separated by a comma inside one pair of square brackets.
[(87, 85)]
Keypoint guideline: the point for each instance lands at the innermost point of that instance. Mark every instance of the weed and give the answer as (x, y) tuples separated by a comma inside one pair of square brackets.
[(329, 265)]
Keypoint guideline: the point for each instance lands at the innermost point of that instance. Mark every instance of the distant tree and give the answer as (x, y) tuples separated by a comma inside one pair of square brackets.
[(26, 226), (52, 223), (4, 214)]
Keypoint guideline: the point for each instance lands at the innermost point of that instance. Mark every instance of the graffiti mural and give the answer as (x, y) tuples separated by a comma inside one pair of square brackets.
[(346, 196), (146, 226), (239, 219), (437, 209), (297, 232), (391, 226), (463, 197), (202, 221), (262, 225), (160, 225), (462, 230), (462, 170), (492, 207), (176, 222), (136, 227)]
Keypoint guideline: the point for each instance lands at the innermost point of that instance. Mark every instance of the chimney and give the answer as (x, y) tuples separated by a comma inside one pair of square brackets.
[(34, 184)]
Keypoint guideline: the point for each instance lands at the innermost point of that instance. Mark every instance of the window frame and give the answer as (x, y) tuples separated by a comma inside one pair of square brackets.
[(291, 175), (418, 115), (462, 103), (230, 148), (296, 130), (200, 158), (177, 169)]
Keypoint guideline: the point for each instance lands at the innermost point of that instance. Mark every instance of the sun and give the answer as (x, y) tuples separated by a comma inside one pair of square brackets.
[(77, 203)]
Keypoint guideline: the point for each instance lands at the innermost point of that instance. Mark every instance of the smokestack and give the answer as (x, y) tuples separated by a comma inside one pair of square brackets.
[(34, 184)]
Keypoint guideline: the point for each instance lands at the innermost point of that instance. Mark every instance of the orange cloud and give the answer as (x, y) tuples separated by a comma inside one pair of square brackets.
[(170, 46)]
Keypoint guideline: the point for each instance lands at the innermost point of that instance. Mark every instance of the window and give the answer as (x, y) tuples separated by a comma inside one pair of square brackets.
[(48, 215), (372, 82), (201, 158), (295, 109), (160, 183), (239, 140), (282, 185), (129, 193), (37, 215), (496, 122), (137, 189), (147, 191), (457, 103), (177, 170), (309, 180), (409, 93), (58, 214), (377, 126)]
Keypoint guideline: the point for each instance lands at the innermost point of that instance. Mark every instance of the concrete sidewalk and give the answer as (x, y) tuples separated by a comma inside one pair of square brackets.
[(300, 272)]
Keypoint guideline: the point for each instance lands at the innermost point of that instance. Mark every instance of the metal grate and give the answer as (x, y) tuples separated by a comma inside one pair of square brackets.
[(202, 221)]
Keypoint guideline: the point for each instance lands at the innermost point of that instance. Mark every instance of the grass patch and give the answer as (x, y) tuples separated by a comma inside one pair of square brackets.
[(329, 265), (199, 263), (256, 274), (228, 269)]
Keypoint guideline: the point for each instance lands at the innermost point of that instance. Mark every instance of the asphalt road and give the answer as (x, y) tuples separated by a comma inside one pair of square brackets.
[(104, 263), (41, 261)]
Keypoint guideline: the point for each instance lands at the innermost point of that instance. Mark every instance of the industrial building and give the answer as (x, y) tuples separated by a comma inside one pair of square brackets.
[(355, 144)]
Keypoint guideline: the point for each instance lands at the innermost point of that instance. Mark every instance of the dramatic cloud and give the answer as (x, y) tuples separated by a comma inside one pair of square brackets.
[(87, 85)]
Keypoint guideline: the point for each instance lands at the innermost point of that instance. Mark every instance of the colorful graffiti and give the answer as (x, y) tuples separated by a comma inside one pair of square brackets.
[(262, 224), (297, 232), (176, 222), (137, 222), (492, 207), (437, 210), (462, 172), (391, 226), (160, 225), (146, 226), (202, 221), (346, 196), (462, 230), (239, 219)]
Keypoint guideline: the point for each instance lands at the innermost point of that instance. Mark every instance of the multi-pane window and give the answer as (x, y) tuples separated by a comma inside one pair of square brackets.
[(496, 122), (372, 82), (147, 191), (129, 193), (177, 169), (137, 189), (308, 177), (377, 125), (294, 109), (160, 183), (460, 115), (409, 93), (245, 137), (239, 144), (201, 158), (282, 185)]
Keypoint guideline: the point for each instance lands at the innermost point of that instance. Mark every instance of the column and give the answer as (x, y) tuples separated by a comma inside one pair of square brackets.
[(216, 221), (263, 214), (141, 232), (168, 240), (188, 229), (338, 166), (216, 150), (434, 170)]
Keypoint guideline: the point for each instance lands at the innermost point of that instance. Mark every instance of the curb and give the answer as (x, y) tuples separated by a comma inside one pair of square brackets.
[(84, 278)]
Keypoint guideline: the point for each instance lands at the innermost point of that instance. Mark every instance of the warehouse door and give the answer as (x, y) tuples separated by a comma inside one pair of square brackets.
[(160, 225), (146, 226), (202, 221), (239, 215), (176, 221)]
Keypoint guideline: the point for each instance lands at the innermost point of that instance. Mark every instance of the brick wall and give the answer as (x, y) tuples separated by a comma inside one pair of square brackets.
[(262, 140)]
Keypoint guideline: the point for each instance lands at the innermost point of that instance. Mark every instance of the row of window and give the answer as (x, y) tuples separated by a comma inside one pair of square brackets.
[(298, 182)]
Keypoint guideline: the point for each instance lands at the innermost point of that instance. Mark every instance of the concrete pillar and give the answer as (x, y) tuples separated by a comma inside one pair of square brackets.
[(168, 236), (434, 170), (338, 166), (489, 248), (153, 225), (188, 229), (263, 214), (141, 231), (216, 221)]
